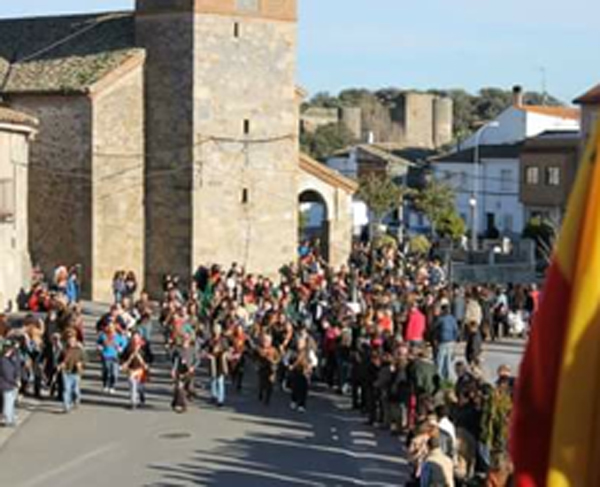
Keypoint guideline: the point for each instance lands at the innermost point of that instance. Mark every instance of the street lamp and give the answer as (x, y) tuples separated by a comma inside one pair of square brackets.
[(475, 195)]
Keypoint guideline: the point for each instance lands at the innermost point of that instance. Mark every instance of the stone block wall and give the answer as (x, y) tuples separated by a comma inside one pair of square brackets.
[(60, 185), (245, 126), (118, 174), (169, 92)]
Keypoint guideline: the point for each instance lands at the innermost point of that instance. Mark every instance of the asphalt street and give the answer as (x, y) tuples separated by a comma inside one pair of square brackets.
[(103, 443)]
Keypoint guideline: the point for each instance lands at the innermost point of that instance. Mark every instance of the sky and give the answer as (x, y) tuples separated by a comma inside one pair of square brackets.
[(422, 44)]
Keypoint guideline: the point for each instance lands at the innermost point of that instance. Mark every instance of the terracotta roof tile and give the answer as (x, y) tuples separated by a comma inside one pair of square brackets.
[(592, 96), (64, 53)]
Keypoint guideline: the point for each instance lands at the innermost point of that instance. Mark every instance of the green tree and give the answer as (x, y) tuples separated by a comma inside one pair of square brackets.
[(324, 99), (419, 244), (437, 202), (381, 195), (452, 226), (544, 233), (326, 140)]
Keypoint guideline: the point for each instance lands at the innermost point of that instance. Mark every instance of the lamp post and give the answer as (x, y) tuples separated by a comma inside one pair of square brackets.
[(474, 200)]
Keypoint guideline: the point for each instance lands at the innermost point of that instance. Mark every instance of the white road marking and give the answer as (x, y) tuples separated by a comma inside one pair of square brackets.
[(43, 478)]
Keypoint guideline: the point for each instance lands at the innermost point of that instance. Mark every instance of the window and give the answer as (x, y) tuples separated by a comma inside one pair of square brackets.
[(505, 179), (532, 175), (246, 127), (245, 196), (553, 176), (7, 200), (464, 180), (236, 29)]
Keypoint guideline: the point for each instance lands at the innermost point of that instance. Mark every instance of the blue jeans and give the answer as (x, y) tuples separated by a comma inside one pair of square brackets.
[(71, 390), (136, 390), (217, 386), (9, 399), (445, 357), (110, 372)]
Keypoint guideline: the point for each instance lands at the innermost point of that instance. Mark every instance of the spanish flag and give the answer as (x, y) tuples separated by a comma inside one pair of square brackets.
[(555, 438)]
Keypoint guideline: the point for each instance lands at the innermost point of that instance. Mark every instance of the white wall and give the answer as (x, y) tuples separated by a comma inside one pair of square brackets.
[(515, 125), (15, 265), (537, 123), (498, 192), (511, 128)]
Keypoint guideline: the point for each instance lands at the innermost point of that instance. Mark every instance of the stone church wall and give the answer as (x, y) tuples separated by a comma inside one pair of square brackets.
[(118, 170), (168, 39), (245, 126), (60, 187)]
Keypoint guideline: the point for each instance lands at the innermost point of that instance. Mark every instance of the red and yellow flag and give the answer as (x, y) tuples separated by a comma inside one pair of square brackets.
[(555, 439)]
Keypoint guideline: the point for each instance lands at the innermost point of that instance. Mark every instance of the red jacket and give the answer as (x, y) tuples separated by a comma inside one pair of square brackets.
[(415, 328)]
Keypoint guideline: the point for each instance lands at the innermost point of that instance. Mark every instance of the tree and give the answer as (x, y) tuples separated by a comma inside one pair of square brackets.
[(544, 233), (437, 202), (452, 226), (420, 245), (326, 140), (381, 195), (324, 99), (470, 110)]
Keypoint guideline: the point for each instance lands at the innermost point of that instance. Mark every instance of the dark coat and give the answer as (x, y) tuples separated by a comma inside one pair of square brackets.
[(10, 371)]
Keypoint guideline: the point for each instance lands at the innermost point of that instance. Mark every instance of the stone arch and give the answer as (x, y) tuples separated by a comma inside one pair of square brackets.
[(315, 208)]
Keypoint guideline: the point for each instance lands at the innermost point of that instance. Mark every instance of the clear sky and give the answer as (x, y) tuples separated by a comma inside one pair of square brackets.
[(427, 43)]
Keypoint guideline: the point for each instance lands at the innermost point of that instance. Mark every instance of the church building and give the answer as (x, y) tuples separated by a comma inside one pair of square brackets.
[(168, 138)]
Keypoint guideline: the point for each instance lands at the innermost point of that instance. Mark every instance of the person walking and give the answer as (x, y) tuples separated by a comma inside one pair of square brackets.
[(71, 367), (446, 335), (268, 361), (10, 372), (137, 368), (218, 356), (300, 372), (110, 345)]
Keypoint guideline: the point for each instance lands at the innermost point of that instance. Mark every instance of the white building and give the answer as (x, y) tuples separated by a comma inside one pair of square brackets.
[(496, 182), (520, 122), (493, 185), (15, 266), (403, 164)]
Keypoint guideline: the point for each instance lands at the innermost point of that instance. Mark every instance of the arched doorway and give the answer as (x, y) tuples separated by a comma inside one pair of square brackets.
[(313, 221)]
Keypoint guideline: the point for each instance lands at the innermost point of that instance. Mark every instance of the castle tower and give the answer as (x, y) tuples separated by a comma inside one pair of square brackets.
[(222, 149)]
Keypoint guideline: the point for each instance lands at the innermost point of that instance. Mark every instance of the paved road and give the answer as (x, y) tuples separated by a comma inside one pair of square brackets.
[(245, 444)]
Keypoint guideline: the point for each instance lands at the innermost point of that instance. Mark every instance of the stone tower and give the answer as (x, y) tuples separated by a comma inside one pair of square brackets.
[(221, 129)]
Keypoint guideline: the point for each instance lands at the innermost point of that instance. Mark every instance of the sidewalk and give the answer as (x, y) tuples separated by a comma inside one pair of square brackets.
[(24, 412)]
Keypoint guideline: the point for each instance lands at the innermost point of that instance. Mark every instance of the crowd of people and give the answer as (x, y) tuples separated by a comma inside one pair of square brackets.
[(383, 330)]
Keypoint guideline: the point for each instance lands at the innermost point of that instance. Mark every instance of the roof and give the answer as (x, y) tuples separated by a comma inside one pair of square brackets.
[(326, 174), (13, 117), (65, 54), (592, 96), (559, 112), (554, 140), (502, 151), (393, 155)]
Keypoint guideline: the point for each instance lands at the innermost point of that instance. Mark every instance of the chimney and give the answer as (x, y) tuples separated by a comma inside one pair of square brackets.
[(517, 96)]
